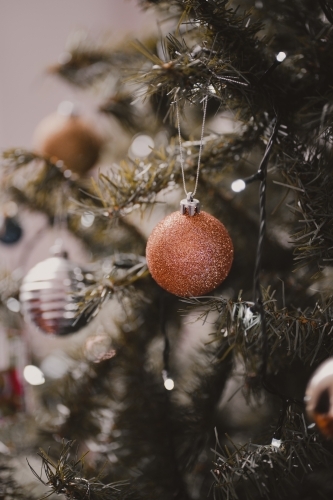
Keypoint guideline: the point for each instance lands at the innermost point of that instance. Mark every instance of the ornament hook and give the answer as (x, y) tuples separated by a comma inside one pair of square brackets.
[(189, 205)]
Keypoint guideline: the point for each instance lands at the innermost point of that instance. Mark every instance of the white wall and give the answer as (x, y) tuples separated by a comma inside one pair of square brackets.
[(33, 34)]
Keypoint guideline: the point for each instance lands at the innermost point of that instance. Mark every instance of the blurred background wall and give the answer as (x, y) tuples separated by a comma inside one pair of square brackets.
[(33, 35)]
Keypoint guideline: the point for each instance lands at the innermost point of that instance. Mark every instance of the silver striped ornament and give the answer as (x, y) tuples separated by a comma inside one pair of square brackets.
[(48, 296)]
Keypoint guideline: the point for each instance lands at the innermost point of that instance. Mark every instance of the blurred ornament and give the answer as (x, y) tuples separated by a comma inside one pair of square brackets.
[(189, 253), (11, 392), (319, 398), (56, 364), (12, 357), (10, 230), (98, 348), (70, 138), (48, 296)]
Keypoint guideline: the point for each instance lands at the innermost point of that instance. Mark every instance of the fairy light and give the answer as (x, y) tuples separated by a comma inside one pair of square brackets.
[(33, 375), (87, 219), (238, 186), (276, 443), (281, 57), (167, 380), (169, 384), (248, 314)]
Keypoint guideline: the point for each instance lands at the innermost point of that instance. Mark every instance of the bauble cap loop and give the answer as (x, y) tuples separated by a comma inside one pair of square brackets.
[(189, 206)]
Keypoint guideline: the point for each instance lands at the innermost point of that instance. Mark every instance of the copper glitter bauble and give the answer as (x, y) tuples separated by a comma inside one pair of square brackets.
[(319, 398), (48, 296), (70, 139), (189, 255)]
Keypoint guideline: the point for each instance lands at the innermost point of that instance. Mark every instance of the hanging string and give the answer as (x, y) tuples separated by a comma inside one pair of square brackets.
[(192, 193)]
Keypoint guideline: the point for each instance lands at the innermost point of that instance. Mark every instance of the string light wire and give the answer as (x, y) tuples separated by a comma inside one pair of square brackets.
[(257, 294), (192, 193)]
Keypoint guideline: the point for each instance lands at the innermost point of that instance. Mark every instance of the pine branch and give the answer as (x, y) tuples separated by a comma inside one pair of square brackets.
[(306, 170), (64, 477), (236, 68), (327, 9), (267, 472), (305, 334), (195, 71), (131, 184), (86, 64), (49, 191), (83, 67), (84, 400), (134, 184), (42, 178), (119, 105), (125, 271)]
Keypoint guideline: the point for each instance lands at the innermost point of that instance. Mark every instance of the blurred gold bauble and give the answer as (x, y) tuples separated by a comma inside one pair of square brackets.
[(189, 255), (69, 138)]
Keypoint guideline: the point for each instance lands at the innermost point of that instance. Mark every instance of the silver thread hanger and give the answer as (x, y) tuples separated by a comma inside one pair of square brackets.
[(190, 205)]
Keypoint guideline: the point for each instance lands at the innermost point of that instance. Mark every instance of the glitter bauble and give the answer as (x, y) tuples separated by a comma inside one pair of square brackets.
[(319, 398), (189, 255), (48, 296), (70, 139)]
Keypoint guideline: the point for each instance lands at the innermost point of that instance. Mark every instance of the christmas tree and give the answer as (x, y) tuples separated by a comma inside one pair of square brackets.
[(196, 388)]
